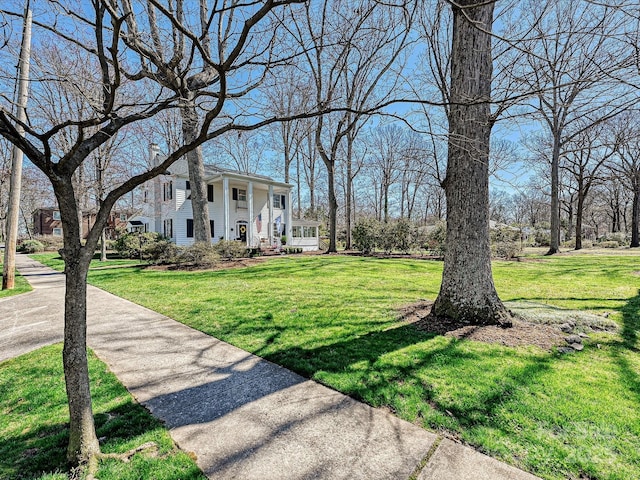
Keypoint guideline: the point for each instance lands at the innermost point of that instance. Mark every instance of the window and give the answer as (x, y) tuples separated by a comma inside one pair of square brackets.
[(167, 228), (278, 201), (56, 216), (167, 191), (279, 229), (190, 228), (210, 193), (296, 232), (123, 217), (309, 232), (240, 196), (145, 196), (57, 232)]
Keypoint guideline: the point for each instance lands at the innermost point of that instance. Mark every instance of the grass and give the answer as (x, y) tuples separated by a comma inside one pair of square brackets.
[(34, 428), (21, 285), (333, 318)]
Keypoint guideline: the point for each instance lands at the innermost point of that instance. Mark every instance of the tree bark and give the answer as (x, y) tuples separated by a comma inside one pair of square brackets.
[(347, 200), (333, 207), (83, 442), (635, 218), (467, 293), (554, 244), (579, 214), (195, 161)]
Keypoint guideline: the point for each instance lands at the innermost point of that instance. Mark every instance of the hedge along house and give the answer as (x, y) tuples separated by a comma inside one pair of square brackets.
[(250, 208)]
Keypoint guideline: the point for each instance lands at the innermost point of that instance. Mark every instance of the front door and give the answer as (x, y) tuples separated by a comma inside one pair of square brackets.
[(241, 228)]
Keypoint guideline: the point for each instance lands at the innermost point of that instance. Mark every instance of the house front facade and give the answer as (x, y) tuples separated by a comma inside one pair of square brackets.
[(250, 208)]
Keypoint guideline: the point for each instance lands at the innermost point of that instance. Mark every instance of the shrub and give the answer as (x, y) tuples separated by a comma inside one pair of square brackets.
[(51, 243), (386, 237), (200, 254), (30, 246), (405, 234), (505, 243), (291, 250), (229, 249), (506, 250), (136, 245), (609, 244), (435, 238), (618, 237), (572, 243), (161, 251), (365, 235), (542, 238)]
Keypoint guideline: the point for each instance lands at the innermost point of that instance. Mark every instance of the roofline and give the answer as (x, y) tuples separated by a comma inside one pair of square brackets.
[(248, 178)]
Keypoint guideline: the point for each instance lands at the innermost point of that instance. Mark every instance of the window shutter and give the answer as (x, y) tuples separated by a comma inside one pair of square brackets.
[(189, 227), (188, 185), (211, 224), (210, 193), (234, 194), (282, 202)]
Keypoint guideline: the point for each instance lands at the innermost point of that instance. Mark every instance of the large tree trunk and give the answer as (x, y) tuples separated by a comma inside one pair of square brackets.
[(347, 201), (554, 245), (333, 208), (83, 442), (635, 218), (467, 293), (195, 161), (579, 214)]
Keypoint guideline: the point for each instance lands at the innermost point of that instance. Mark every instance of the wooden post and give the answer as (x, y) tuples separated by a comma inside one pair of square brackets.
[(15, 185)]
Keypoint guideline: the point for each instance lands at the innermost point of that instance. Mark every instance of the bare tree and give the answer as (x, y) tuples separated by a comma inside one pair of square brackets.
[(574, 64), (98, 31), (585, 157), (240, 151), (387, 145), (626, 169), (355, 47)]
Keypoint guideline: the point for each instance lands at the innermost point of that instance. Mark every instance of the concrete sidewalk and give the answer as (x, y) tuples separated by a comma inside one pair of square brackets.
[(243, 417)]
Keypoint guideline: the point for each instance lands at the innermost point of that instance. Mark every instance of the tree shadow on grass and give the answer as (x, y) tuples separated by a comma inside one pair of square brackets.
[(481, 378), (628, 345), (39, 451)]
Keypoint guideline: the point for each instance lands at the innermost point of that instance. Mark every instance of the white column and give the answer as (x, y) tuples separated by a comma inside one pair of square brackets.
[(270, 203), (251, 219), (225, 206), (289, 217)]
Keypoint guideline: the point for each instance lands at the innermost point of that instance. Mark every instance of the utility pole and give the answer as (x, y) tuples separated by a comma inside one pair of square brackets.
[(15, 185)]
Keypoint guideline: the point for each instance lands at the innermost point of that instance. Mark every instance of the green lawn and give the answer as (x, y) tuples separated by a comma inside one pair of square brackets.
[(21, 285), (34, 428), (334, 319)]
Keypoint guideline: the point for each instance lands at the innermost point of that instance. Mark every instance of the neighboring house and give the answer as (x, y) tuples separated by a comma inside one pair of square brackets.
[(251, 208), (46, 221)]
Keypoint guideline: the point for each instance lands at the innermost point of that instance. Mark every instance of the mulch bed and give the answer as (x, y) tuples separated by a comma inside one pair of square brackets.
[(522, 333)]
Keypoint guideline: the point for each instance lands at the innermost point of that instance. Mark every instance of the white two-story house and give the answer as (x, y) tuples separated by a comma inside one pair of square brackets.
[(251, 208)]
